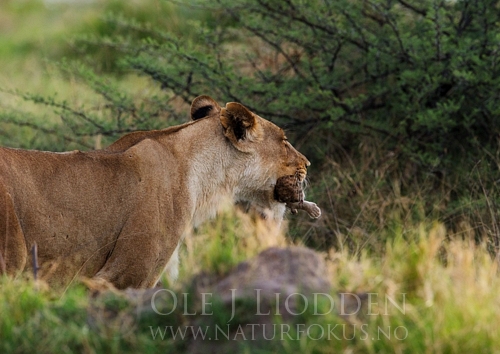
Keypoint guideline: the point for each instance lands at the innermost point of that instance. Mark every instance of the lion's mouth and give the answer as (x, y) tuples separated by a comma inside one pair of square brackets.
[(301, 175)]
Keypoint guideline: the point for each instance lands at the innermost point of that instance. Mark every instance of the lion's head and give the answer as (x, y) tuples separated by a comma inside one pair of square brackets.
[(263, 146)]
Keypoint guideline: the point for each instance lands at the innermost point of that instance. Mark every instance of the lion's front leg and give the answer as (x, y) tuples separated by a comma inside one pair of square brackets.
[(138, 257), (124, 270)]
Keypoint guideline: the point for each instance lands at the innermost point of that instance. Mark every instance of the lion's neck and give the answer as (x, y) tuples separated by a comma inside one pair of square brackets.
[(213, 184), (212, 169)]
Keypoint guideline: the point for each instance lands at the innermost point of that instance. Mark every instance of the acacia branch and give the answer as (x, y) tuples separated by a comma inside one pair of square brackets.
[(413, 8)]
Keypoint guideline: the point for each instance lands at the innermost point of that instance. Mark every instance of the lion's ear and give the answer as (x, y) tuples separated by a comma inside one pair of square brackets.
[(240, 125), (204, 106)]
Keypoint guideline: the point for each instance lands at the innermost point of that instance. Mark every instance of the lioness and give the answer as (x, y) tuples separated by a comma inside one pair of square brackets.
[(117, 215)]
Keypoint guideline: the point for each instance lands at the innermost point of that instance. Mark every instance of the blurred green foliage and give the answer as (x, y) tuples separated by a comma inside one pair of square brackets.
[(420, 303)]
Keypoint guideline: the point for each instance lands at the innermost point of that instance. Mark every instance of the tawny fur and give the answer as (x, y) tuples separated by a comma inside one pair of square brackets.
[(117, 214)]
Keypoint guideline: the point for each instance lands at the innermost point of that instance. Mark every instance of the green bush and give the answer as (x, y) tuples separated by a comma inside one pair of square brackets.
[(421, 75), (395, 101)]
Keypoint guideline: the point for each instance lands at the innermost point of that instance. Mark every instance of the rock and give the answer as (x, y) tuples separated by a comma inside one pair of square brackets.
[(275, 270), (247, 303), (294, 273)]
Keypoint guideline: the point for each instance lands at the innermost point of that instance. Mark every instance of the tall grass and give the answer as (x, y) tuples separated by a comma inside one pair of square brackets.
[(368, 194), (428, 292)]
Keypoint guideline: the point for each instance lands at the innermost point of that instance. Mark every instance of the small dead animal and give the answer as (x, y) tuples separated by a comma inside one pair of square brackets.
[(289, 190)]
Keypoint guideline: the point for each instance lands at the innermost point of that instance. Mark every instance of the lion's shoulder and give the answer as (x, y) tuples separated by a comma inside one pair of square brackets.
[(131, 139)]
